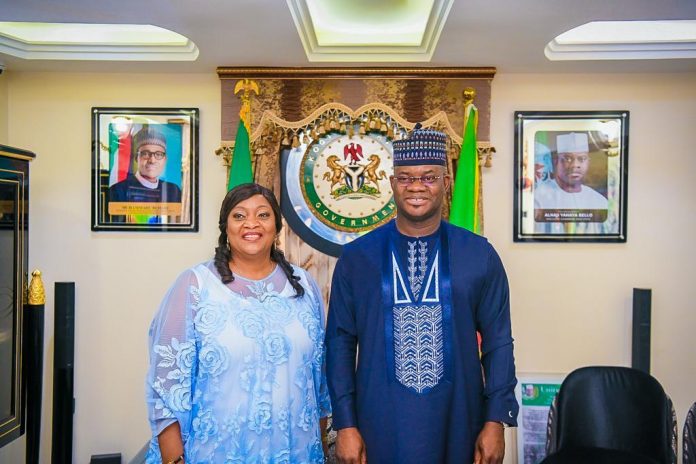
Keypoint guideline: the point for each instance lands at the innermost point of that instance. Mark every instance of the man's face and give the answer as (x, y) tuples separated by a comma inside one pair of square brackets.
[(148, 165), (570, 170), (422, 199)]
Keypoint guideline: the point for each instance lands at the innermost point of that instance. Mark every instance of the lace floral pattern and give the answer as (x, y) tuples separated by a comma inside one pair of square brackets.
[(241, 368)]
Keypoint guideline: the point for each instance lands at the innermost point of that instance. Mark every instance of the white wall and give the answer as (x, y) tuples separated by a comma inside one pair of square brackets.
[(571, 302)]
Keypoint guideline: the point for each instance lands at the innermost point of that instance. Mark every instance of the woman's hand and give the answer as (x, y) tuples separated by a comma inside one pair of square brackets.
[(170, 443), (324, 437)]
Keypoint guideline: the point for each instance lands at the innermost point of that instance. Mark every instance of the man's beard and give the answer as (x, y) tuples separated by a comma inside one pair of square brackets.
[(436, 211)]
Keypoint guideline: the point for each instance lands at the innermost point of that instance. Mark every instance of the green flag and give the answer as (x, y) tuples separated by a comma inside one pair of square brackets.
[(465, 197), (240, 167)]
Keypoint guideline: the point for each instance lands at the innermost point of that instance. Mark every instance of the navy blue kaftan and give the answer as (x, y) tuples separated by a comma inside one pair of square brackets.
[(413, 306)]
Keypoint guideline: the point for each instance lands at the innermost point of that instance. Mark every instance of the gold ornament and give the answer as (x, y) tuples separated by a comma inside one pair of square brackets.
[(468, 94), (37, 295)]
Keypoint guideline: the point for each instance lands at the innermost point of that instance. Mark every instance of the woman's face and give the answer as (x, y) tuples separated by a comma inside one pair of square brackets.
[(251, 228)]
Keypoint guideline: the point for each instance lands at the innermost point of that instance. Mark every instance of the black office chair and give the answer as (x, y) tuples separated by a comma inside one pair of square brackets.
[(616, 415), (689, 437)]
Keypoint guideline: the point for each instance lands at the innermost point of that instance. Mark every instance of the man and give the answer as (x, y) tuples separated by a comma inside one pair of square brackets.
[(145, 186), (570, 165), (411, 295)]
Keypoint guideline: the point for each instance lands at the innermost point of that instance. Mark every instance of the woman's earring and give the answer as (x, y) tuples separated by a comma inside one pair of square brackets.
[(228, 244)]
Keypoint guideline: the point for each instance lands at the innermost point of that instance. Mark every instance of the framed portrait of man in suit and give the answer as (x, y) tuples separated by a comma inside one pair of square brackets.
[(144, 169)]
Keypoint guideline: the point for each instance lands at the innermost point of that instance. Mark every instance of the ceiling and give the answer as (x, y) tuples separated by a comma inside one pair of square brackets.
[(507, 34)]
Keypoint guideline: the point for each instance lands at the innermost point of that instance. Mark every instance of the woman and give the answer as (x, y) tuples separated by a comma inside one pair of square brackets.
[(237, 362)]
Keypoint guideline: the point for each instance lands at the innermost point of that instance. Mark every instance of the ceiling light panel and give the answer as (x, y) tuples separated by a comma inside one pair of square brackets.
[(626, 40), (102, 42), (361, 30)]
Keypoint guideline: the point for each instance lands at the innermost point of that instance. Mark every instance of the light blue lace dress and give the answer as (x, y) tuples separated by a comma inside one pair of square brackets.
[(240, 367)]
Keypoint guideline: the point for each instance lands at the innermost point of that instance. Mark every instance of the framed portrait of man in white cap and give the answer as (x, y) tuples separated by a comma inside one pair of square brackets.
[(571, 176), (144, 169)]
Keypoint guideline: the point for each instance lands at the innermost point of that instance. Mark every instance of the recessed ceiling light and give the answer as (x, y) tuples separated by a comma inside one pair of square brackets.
[(365, 30), (109, 42), (626, 40), (398, 23)]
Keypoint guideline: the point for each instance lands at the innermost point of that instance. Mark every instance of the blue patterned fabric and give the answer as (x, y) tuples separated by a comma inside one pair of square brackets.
[(422, 146), (419, 359), (240, 367)]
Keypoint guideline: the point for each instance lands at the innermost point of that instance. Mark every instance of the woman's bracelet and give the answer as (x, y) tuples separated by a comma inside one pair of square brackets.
[(176, 460)]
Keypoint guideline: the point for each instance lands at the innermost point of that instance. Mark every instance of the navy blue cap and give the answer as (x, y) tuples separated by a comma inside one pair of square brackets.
[(421, 147)]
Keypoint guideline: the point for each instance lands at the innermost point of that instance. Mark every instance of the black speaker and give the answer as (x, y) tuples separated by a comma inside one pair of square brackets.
[(640, 358), (106, 459), (63, 367)]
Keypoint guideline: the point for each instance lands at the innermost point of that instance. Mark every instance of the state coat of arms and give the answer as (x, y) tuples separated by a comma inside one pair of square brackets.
[(345, 181)]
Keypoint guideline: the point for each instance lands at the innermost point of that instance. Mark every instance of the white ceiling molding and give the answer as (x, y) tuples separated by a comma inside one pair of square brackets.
[(625, 40), (364, 47), (94, 42)]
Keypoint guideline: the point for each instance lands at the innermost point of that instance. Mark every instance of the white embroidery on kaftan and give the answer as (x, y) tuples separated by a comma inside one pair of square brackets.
[(417, 266), (400, 293), (417, 328), (432, 287), (418, 354)]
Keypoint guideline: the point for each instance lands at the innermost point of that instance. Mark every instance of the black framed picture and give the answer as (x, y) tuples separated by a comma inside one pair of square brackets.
[(145, 169), (571, 176)]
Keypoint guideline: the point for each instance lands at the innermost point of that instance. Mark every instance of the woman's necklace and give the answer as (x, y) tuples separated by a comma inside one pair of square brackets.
[(254, 272)]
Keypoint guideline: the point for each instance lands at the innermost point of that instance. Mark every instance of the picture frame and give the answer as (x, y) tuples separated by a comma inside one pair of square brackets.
[(535, 393), (571, 176), (145, 169)]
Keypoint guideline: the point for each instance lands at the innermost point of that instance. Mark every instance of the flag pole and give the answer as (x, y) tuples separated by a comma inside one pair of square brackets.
[(240, 165), (465, 197)]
